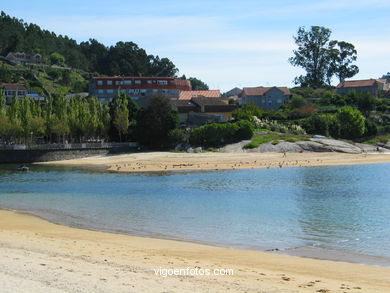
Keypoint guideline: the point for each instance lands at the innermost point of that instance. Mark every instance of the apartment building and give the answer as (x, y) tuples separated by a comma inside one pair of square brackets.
[(105, 88)]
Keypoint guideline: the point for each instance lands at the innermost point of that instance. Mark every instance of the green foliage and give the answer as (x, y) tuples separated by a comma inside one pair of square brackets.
[(370, 128), (351, 121), (247, 112), (322, 58), (274, 125), (216, 134), (57, 59), (322, 124), (177, 136), (274, 138), (125, 58), (198, 85), (156, 122)]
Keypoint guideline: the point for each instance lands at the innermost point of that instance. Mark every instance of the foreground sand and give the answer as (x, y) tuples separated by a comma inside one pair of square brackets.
[(167, 161), (38, 256)]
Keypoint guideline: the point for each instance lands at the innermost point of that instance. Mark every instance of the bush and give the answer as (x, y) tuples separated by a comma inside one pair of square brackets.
[(177, 136), (371, 128), (215, 134), (352, 124), (323, 124)]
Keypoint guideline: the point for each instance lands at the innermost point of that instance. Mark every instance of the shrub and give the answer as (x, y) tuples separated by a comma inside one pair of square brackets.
[(352, 124), (215, 134)]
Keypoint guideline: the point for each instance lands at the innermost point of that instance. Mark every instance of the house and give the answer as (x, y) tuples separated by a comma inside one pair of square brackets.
[(105, 88), (201, 110), (19, 91), (17, 58), (371, 86), (270, 98), (211, 94)]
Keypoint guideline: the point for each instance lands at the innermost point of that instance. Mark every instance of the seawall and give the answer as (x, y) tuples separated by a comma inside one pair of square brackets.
[(46, 154)]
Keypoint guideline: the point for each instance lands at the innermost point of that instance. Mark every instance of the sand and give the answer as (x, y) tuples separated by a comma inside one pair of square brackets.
[(38, 256), (168, 161)]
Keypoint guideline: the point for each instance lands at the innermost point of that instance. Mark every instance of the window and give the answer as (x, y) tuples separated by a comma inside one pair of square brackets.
[(100, 92), (127, 82), (118, 82), (162, 82), (110, 91), (150, 81), (143, 91), (269, 101), (100, 82), (137, 82), (109, 82), (279, 101)]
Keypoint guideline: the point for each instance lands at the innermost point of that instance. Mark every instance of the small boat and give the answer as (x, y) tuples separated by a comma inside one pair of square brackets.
[(23, 168)]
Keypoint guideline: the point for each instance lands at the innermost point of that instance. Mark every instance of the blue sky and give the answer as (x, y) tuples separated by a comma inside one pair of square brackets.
[(224, 43)]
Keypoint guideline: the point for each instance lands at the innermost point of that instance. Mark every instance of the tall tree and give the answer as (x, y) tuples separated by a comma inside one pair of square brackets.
[(342, 55), (322, 58), (157, 121)]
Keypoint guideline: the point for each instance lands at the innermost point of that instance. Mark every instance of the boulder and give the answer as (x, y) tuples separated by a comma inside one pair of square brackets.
[(340, 146)]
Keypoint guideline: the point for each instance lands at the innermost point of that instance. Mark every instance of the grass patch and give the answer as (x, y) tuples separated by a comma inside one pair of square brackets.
[(274, 138), (378, 139)]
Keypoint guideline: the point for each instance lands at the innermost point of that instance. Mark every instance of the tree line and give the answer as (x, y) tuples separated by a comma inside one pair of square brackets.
[(124, 58), (80, 119)]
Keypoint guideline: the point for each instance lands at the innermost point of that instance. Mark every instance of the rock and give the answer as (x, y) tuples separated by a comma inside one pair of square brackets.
[(312, 146), (281, 147), (319, 136), (190, 150), (198, 150), (182, 147), (338, 146), (234, 147)]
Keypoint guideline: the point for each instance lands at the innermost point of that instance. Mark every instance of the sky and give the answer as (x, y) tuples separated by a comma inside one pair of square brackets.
[(226, 43)]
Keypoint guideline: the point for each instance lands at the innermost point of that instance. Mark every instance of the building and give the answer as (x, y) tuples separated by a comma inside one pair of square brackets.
[(371, 86), (105, 88), (20, 91), (17, 58), (270, 98), (188, 95), (200, 110)]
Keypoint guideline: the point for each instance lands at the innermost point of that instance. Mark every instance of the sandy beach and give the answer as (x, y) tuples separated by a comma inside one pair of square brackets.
[(38, 256), (169, 161)]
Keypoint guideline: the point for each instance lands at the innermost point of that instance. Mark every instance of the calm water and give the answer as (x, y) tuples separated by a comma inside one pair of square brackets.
[(336, 212)]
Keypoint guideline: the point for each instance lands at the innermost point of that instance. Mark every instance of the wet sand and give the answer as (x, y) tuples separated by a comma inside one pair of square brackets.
[(38, 256), (168, 161)]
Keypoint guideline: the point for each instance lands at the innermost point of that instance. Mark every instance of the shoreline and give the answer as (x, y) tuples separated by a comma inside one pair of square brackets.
[(75, 256), (308, 252), (167, 161)]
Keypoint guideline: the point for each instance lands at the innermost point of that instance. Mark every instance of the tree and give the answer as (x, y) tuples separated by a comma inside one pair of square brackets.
[(322, 58), (198, 85), (156, 122), (121, 122), (57, 58), (342, 54), (352, 123)]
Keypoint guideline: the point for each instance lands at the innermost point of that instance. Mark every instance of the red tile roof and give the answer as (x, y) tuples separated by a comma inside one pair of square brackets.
[(14, 87), (357, 83), (188, 95), (260, 91)]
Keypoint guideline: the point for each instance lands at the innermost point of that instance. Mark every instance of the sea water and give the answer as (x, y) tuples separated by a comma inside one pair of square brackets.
[(331, 212)]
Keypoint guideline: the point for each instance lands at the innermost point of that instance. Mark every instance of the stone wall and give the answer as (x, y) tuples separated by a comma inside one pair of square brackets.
[(29, 156)]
